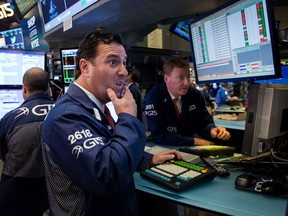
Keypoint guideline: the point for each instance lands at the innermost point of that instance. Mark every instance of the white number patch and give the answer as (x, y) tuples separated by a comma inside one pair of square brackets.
[(149, 106), (78, 135)]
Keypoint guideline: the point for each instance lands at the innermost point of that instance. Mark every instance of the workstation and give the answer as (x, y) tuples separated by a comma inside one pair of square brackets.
[(150, 37), (218, 197)]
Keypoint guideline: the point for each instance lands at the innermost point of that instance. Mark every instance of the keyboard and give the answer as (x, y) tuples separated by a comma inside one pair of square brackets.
[(209, 150), (187, 156), (178, 174)]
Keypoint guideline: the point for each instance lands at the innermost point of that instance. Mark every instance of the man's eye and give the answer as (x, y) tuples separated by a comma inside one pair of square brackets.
[(113, 62)]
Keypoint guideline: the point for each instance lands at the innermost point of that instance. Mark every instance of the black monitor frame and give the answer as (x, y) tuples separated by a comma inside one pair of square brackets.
[(234, 77)]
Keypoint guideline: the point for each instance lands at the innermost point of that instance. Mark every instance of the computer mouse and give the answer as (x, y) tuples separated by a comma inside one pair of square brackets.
[(273, 188), (245, 180)]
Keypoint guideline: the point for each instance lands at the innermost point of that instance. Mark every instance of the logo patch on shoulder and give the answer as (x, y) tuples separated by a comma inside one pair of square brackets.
[(192, 107)]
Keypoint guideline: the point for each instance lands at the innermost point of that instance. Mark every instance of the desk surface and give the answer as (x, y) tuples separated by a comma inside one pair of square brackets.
[(238, 125), (219, 195), (229, 110), (214, 98)]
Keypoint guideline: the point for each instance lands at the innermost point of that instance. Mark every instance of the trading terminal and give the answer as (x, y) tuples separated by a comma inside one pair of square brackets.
[(242, 43)]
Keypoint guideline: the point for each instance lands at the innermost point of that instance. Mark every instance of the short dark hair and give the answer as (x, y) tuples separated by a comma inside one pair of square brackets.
[(88, 46), (36, 80), (173, 62)]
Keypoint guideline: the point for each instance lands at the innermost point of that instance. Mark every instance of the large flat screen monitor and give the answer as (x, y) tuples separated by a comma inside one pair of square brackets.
[(14, 63), (236, 42), (181, 29), (68, 64), (9, 100), (12, 39), (55, 12), (24, 6)]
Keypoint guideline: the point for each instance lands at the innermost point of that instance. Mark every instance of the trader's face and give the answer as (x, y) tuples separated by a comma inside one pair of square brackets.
[(107, 71), (178, 81)]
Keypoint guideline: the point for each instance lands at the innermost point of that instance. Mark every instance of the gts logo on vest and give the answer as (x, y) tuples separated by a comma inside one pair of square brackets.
[(41, 110), (172, 129), (87, 144), (87, 139), (151, 113), (38, 110)]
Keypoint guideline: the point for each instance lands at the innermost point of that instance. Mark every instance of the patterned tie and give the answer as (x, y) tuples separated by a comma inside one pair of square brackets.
[(176, 107), (109, 117)]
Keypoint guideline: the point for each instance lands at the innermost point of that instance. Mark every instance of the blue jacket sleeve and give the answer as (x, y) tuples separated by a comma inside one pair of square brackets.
[(95, 159)]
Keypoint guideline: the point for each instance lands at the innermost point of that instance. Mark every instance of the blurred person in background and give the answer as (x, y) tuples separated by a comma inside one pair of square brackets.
[(132, 80), (176, 112)]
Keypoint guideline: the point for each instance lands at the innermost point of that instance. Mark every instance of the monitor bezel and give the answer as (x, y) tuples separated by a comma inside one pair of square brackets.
[(274, 46)]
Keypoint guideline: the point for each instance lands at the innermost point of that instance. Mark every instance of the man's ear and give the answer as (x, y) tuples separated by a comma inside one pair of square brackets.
[(166, 78), (83, 64), (24, 89), (24, 92)]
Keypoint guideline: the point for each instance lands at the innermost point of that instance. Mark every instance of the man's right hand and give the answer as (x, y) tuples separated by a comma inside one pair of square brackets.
[(166, 155), (126, 104)]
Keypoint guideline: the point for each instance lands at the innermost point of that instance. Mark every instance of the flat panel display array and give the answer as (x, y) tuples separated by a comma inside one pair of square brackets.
[(235, 42)]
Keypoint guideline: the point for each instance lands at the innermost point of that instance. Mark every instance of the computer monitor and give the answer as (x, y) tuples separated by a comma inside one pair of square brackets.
[(267, 118), (10, 99), (24, 6), (55, 13), (235, 42), (181, 29), (12, 39), (14, 63), (68, 64)]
